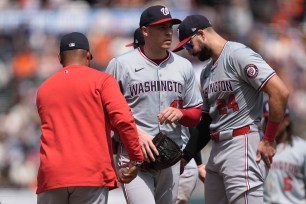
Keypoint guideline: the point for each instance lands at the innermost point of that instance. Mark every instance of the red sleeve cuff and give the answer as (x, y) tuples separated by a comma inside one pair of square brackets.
[(191, 116)]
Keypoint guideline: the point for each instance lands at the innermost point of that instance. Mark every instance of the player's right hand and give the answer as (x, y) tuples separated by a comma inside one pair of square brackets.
[(266, 151), (147, 146), (169, 115), (202, 172)]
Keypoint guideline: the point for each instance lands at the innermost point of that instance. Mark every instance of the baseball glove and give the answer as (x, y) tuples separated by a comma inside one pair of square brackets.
[(169, 153)]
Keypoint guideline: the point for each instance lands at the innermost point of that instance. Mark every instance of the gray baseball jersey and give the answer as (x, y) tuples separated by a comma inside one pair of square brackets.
[(231, 87), (286, 181), (150, 88), (231, 95)]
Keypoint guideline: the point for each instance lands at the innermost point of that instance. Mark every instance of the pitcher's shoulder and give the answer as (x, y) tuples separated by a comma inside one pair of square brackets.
[(128, 56), (179, 59)]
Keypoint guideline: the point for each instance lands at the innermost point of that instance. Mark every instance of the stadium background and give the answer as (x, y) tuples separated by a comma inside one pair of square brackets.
[(29, 41)]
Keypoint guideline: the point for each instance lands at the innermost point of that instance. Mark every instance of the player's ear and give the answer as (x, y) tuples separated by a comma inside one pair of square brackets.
[(144, 30), (60, 58), (89, 56), (201, 33)]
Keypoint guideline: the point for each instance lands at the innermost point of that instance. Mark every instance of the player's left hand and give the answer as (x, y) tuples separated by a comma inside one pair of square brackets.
[(266, 150), (169, 115), (147, 146)]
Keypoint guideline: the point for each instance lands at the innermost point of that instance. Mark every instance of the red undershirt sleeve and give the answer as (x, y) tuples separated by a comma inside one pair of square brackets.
[(191, 116)]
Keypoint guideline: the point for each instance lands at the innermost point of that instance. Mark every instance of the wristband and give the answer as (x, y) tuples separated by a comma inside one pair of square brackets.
[(271, 130)]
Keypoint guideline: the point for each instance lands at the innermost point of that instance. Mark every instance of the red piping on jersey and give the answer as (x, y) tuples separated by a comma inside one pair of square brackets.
[(266, 81), (169, 54), (245, 198), (247, 184), (127, 196)]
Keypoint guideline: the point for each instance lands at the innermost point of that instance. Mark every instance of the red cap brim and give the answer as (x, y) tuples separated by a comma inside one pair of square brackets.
[(174, 20), (180, 45), (130, 45)]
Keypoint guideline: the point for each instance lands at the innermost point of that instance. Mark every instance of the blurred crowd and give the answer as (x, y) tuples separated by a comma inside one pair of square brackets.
[(276, 29)]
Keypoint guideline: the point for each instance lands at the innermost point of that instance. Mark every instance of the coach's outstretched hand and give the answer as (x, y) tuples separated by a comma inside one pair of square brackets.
[(127, 173)]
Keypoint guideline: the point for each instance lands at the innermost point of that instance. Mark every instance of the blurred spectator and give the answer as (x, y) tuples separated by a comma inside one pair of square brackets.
[(24, 64)]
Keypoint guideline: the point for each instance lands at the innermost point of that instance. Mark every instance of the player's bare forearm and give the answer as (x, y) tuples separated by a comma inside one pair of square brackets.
[(266, 151), (147, 145), (278, 97)]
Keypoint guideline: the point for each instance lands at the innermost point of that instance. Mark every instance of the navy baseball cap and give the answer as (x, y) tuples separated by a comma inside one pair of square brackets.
[(73, 41), (266, 110), (189, 26), (138, 39), (155, 15)]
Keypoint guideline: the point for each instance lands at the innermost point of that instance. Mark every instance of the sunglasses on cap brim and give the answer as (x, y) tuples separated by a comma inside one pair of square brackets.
[(188, 45)]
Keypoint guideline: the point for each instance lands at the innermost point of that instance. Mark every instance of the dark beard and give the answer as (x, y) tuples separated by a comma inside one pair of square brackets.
[(205, 53)]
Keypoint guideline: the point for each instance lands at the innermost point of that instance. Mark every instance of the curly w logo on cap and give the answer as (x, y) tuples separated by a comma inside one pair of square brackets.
[(165, 11), (156, 15)]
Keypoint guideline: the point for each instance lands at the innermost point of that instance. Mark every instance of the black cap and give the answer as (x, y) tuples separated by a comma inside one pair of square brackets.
[(73, 41), (189, 26), (266, 109), (156, 15), (138, 39)]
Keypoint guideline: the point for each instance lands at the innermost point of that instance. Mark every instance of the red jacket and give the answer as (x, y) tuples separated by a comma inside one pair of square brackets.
[(76, 107)]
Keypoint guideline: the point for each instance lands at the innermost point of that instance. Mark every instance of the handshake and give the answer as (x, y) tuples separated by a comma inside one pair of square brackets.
[(169, 154), (128, 172)]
